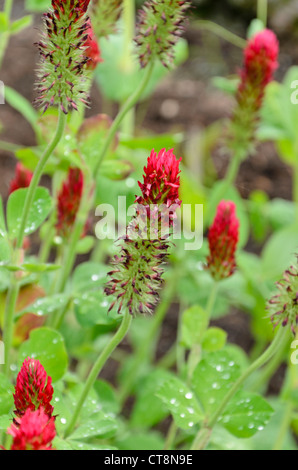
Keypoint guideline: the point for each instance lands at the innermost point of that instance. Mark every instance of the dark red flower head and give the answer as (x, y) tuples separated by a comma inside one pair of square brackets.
[(260, 62), (92, 51), (80, 7), (33, 389), (33, 431), (22, 178), (69, 199), (161, 179), (223, 238)]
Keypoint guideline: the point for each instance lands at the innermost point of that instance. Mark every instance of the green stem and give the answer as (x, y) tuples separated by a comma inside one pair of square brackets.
[(262, 11), (11, 301), (170, 439), (221, 32), (212, 299), (270, 368), (128, 105), (48, 240), (13, 291), (37, 176), (202, 438), (295, 188), (5, 36), (129, 11), (147, 349), (288, 416), (99, 364)]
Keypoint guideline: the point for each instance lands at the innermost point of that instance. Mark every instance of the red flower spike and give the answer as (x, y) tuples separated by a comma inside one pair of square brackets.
[(161, 179), (33, 389), (137, 278), (92, 51), (22, 178), (223, 238), (260, 63), (69, 199), (34, 431)]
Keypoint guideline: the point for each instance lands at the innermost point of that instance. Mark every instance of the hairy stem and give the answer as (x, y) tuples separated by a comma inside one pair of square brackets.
[(99, 364)]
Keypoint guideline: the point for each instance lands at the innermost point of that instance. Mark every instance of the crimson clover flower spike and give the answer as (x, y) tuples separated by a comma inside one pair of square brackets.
[(68, 201), (283, 306), (260, 63), (22, 178), (33, 389), (223, 238), (160, 26), (62, 75), (136, 277), (35, 430)]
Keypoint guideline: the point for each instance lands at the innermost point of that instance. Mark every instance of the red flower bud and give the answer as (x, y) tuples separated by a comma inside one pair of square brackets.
[(33, 389), (69, 199), (33, 431), (92, 51), (260, 62), (22, 178), (223, 238)]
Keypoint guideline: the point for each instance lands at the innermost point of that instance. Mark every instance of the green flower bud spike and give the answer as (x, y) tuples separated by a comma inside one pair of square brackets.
[(104, 15), (283, 307), (62, 76), (160, 26)]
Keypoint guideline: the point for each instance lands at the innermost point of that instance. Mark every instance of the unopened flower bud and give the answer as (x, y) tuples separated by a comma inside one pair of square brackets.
[(223, 238), (159, 28)]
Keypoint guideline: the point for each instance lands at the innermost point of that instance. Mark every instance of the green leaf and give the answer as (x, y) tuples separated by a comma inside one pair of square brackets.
[(100, 426), (246, 414), (112, 49), (85, 245), (46, 305), (5, 422), (4, 251), (279, 251), (89, 276), (39, 210), (181, 402), (21, 24), (141, 441), (37, 5), (214, 339), (91, 309), (39, 268), (148, 411), (107, 397), (194, 324), (213, 377), (6, 395), (24, 107), (116, 170), (48, 347)]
